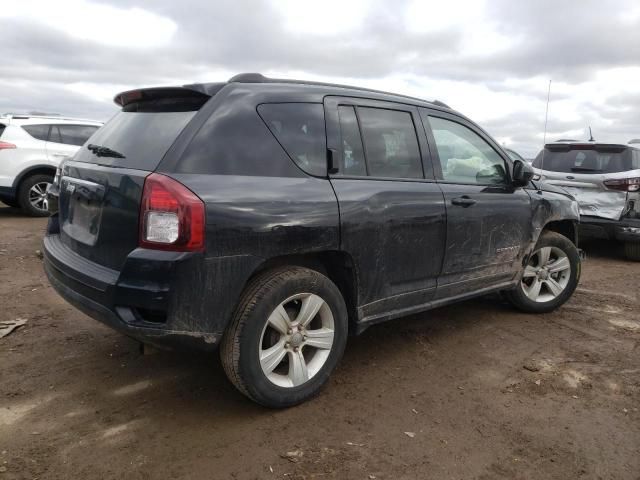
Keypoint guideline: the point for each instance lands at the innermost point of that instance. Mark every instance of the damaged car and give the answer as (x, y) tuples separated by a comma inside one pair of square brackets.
[(605, 179), (271, 218)]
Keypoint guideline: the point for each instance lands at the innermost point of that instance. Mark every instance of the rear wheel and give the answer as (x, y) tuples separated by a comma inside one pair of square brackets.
[(550, 277), (32, 195), (287, 336), (632, 251)]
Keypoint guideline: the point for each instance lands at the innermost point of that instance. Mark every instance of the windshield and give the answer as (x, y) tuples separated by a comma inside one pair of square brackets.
[(514, 155), (583, 161), (140, 139)]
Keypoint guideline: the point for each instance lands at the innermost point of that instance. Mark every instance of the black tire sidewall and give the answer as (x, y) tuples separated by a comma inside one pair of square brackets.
[(632, 251), (23, 194), (551, 239), (254, 379)]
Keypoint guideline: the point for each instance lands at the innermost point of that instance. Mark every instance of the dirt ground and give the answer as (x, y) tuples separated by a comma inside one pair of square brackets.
[(483, 391)]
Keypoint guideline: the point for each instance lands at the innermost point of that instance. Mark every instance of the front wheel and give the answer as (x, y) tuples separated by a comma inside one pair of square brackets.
[(287, 336), (550, 277)]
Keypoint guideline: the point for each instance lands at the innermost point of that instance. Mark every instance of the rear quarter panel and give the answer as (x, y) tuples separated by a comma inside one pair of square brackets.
[(29, 153), (251, 220)]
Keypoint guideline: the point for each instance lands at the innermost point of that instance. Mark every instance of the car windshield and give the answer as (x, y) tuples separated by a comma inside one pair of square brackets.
[(515, 155), (583, 161)]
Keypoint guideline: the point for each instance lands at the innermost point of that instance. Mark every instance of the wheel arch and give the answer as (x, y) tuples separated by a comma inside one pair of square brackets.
[(337, 265), (32, 170), (566, 228)]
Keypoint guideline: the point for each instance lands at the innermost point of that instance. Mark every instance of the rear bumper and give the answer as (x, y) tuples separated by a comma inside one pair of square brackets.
[(146, 300), (123, 321), (624, 230)]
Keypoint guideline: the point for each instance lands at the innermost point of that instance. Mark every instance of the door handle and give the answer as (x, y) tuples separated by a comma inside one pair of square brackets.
[(463, 201), (60, 155)]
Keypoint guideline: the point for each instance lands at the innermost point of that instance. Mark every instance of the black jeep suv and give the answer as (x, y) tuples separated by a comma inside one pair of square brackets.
[(273, 217)]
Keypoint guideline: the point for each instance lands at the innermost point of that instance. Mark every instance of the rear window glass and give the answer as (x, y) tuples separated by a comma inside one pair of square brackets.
[(39, 132), (583, 161), (71, 134), (143, 138), (2, 127), (299, 128)]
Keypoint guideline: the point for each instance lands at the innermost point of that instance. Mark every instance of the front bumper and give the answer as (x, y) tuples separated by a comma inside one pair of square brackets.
[(624, 230), (140, 300)]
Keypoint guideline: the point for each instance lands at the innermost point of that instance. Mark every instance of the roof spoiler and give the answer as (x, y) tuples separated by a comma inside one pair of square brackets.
[(187, 91)]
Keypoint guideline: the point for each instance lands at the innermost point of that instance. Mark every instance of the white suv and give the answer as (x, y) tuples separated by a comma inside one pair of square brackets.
[(31, 148), (605, 180)]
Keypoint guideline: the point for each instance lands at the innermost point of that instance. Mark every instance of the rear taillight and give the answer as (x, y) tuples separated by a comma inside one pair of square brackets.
[(171, 216), (623, 184), (6, 145)]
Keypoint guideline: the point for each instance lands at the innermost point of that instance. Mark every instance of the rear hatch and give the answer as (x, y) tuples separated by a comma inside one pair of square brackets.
[(101, 187), (591, 173)]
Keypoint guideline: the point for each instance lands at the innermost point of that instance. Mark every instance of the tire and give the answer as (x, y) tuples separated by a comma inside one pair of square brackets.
[(555, 279), (26, 195), (632, 251), (252, 333)]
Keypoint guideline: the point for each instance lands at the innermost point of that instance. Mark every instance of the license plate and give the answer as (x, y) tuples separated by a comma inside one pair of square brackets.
[(84, 213)]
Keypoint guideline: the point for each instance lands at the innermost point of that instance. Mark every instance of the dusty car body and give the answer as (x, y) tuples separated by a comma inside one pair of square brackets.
[(605, 180), (199, 212)]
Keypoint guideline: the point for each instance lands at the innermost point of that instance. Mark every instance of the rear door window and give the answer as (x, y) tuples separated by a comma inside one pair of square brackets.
[(391, 143), (465, 157), (71, 134), (299, 128), (353, 162), (39, 132)]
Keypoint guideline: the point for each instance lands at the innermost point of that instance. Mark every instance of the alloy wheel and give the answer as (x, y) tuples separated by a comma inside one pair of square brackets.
[(296, 340), (546, 275), (38, 196)]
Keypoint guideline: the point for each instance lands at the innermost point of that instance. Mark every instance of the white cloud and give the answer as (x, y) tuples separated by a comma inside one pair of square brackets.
[(322, 18), (491, 60), (480, 36), (97, 22)]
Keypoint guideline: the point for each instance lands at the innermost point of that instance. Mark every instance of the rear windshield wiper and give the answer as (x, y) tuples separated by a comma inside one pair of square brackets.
[(101, 151), (585, 169)]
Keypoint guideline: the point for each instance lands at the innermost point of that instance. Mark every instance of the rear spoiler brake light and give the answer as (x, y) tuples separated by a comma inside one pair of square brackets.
[(565, 147)]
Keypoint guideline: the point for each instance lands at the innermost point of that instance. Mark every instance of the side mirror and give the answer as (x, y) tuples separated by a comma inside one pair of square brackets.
[(522, 173)]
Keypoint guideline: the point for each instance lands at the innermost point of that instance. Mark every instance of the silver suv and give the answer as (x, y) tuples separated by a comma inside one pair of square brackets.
[(605, 179), (31, 148)]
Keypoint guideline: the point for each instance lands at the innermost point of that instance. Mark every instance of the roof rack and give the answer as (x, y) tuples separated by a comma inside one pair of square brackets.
[(55, 116), (259, 78)]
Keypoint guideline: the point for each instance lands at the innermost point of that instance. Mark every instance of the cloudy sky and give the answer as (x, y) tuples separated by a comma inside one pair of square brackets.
[(491, 60)]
